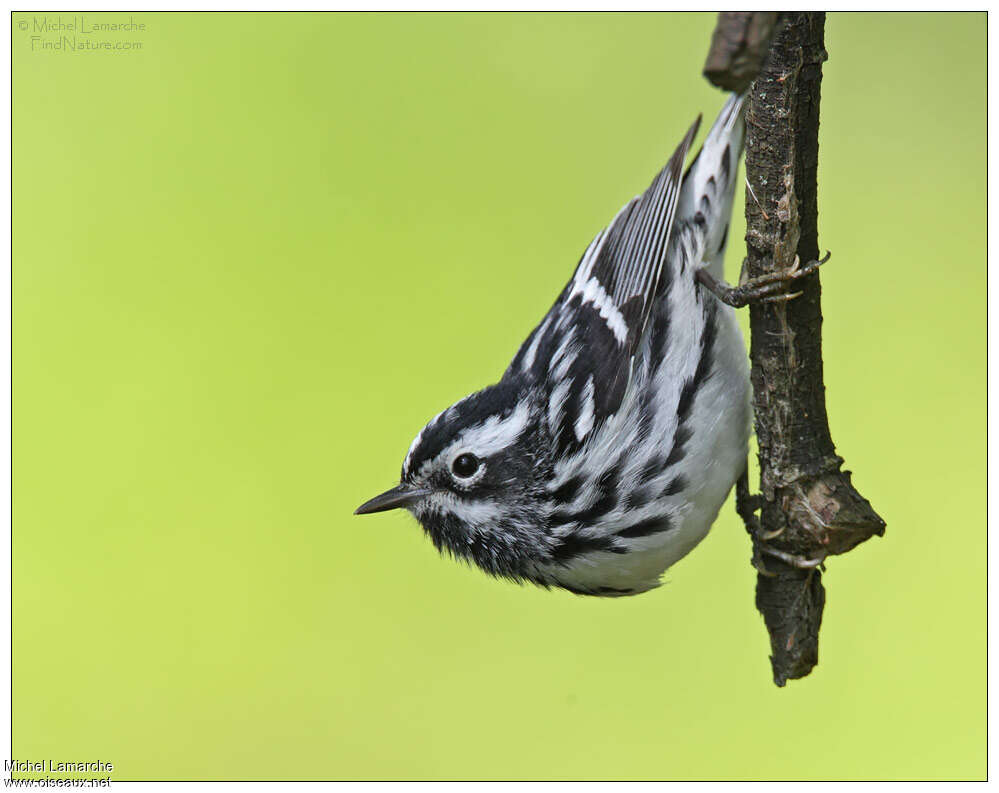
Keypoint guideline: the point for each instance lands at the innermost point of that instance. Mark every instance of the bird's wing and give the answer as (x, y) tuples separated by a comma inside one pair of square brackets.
[(584, 347)]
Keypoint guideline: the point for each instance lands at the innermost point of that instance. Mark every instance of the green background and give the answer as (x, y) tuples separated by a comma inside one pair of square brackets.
[(253, 257)]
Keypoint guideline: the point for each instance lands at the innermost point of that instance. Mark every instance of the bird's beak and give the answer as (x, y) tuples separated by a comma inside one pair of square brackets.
[(398, 496)]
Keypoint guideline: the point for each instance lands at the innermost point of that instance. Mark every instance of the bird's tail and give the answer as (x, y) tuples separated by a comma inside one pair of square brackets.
[(709, 184)]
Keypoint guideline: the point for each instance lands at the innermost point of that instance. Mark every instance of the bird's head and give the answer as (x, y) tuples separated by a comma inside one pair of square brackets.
[(474, 478)]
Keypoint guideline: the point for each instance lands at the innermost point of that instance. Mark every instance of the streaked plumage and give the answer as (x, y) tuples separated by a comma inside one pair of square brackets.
[(604, 453)]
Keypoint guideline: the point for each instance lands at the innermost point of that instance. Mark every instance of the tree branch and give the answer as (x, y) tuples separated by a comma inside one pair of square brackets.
[(809, 507), (738, 47)]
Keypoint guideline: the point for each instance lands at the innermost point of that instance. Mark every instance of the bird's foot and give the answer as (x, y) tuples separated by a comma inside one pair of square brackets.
[(768, 288), (747, 504), (800, 562)]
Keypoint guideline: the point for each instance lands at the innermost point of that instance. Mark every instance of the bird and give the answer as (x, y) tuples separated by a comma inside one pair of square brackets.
[(606, 450)]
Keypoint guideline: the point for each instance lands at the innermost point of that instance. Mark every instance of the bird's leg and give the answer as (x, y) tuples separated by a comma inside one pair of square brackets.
[(768, 288), (746, 504)]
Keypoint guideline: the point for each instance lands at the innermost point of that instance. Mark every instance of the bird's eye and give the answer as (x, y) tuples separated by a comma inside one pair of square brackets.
[(465, 465)]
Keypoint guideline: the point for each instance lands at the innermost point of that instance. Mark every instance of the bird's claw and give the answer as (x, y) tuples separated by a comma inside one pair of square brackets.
[(746, 504), (767, 288), (801, 562)]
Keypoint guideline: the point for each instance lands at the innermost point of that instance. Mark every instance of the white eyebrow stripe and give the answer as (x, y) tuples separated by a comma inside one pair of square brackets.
[(493, 435)]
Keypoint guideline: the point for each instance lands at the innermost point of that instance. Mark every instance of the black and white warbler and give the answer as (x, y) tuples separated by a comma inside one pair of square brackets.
[(606, 450)]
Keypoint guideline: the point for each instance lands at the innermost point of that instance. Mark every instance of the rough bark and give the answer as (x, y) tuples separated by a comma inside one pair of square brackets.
[(738, 47), (809, 507)]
